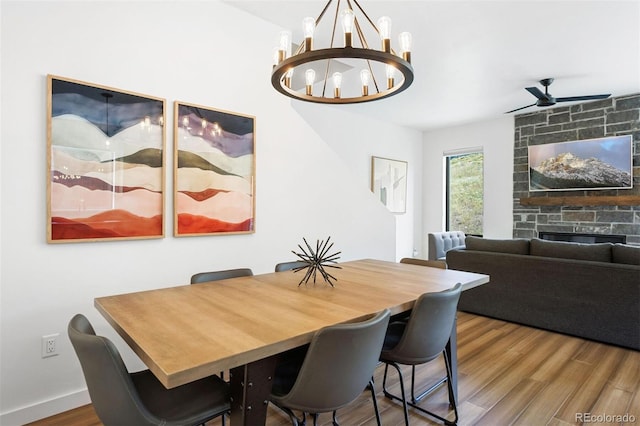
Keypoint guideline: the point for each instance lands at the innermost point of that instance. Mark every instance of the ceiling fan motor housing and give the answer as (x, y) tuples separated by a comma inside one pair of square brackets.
[(550, 100)]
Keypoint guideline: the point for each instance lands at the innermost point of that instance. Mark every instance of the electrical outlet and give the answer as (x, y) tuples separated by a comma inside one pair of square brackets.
[(50, 345)]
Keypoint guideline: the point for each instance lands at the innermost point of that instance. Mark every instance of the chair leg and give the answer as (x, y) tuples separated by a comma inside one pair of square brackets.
[(407, 404), (416, 399), (295, 421), (452, 395), (375, 401), (389, 395), (335, 419)]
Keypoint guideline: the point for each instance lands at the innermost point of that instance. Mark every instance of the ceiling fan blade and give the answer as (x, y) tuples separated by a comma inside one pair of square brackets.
[(582, 98), (518, 109), (536, 92)]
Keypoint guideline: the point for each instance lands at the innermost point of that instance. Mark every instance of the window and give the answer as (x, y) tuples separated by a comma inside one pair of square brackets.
[(464, 189)]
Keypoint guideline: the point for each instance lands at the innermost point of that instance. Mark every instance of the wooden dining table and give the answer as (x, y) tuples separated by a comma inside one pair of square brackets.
[(188, 332)]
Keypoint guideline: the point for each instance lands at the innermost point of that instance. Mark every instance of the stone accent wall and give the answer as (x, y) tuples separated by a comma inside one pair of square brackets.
[(609, 117)]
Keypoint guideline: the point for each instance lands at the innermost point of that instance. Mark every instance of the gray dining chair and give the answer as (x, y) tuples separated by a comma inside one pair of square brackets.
[(123, 398), (421, 339), (336, 368), (404, 316), (287, 266), (204, 277)]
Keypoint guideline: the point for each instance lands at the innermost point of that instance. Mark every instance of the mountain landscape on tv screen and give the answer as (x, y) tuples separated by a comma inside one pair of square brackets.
[(568, 171)]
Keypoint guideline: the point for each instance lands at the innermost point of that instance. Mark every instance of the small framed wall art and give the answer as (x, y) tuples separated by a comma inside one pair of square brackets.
[(389, 183), (105, 159), (214, 174)]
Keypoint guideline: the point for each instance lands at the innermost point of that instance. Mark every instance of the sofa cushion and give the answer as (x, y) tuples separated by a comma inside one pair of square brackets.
[(623, 253), (592, 252), (516, 246)]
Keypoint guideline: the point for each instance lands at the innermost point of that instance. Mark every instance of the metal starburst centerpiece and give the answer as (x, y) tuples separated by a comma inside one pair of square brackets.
[(317, 260)]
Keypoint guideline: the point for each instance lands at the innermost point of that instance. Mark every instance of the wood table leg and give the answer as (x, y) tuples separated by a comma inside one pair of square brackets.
[(250, 388)]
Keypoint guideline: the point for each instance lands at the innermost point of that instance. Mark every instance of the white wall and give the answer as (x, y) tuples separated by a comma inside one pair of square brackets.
[(312, 178), (389, 142), (496, 139)]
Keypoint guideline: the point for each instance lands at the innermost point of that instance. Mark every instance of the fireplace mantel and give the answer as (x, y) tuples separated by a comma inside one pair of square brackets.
[(589, 200)]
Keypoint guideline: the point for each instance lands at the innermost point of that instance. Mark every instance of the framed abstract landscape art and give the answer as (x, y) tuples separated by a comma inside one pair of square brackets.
[(105, 163), (214, 176), (389, 183)]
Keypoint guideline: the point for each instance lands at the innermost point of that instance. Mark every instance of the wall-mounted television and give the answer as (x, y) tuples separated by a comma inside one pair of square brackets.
[(603, 163)]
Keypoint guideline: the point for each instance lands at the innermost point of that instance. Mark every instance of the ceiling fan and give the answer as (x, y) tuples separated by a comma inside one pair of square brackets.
[(547, 99)]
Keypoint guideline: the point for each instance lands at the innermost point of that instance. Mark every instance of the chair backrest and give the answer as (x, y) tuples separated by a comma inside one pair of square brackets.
[(422, 262), (204, 277), (287, 266), (441, 242), (429, 327), (338, 366), (111, 389)]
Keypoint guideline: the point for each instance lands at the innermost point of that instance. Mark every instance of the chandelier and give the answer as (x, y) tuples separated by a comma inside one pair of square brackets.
[(380, 73)]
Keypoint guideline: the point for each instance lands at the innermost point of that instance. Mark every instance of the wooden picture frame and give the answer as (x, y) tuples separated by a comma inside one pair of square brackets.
[(214, 173), (105, 163), (389, 183)]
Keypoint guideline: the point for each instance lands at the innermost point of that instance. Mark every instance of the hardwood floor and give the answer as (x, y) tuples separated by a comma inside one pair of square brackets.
[(508, 375)]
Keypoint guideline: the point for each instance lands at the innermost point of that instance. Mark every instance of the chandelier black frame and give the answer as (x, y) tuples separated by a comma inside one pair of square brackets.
[(280, 76)]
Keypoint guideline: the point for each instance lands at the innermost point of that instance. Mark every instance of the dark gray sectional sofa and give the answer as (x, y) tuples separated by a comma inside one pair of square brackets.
[(585, 290)]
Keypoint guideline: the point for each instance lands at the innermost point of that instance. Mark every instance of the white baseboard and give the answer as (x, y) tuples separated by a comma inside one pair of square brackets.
[(45, 409)]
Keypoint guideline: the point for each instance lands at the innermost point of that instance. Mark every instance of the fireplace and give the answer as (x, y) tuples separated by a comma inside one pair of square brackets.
[(582, 238)]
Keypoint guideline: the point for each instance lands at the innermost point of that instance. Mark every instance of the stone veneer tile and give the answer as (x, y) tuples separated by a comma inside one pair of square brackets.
[(563, 136), (541, 130), (559, 118), (618, 129), (625, 228), (584, 124), (593, 229), (631, 102), (586, 115), (623, 116), (592, 133), (601, 104), (615, 216), (528, 119)]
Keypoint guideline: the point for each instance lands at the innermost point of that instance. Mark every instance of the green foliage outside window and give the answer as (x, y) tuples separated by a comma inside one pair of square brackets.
[(465, 193)]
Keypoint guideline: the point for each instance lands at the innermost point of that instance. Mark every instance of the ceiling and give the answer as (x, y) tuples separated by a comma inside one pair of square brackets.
[(473, 59)]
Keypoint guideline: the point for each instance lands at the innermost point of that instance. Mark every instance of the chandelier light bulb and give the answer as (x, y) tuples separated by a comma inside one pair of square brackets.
[(308, 27), (405, 45), (391, 74), (285, 45), (310, 78), (337, 83), (347, 18), (384, 28), (365, 77), (287, 78)]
